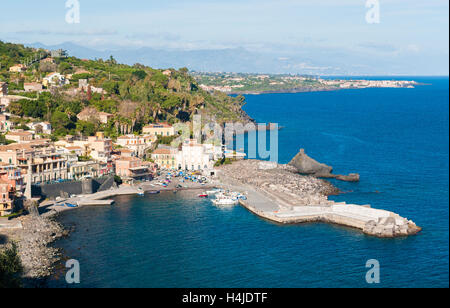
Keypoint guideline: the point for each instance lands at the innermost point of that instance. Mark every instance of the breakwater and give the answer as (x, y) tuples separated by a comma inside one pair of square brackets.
[(379, 223), (277, 193)]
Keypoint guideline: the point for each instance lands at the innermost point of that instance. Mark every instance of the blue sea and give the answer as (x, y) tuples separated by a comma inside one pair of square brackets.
[(396, 139)]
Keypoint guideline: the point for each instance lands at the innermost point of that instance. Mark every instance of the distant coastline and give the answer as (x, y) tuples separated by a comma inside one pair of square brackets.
[(245, 84), (306, 90)]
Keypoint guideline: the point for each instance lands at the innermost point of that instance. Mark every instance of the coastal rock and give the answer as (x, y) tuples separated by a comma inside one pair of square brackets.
[(308, 166), (35, 251), (352, 177), (389, 227)]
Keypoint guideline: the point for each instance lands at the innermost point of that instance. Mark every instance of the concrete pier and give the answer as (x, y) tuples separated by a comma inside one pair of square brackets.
[(379, 223), (95, 202), (279, 194)]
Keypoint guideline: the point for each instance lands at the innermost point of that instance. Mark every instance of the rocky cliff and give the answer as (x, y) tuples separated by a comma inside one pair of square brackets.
[(307, 165)]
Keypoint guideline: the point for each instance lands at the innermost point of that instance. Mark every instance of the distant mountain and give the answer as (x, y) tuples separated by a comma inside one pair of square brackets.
[(75, 50), (310, 61)]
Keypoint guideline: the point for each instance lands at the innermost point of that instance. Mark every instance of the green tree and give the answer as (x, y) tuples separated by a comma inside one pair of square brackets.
[(86, 128), (61, 123), (11, 268)]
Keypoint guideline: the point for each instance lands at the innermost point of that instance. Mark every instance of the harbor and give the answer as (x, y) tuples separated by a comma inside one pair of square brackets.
[(307, 202), (261, 192)]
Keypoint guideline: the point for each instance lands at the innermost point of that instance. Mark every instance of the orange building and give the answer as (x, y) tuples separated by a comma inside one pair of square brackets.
[(132, 169), (6, 198)]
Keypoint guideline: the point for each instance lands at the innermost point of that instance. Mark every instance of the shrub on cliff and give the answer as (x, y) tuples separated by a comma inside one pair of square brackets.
[(11, 268)]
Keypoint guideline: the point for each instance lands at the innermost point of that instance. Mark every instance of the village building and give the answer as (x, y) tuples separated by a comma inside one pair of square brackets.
[(92, 114), (195, 157), (138, 144), (46, 164), (83, 170), (41, 128), (6, 198), (5, 124), (12, 175), (18, 68), (54, 79), (32, 87), (58, 53), (159, 129), (166, 158), (127, 153), (100, 148), (132, 169), (79, 151), (48, 60), (20, 136)]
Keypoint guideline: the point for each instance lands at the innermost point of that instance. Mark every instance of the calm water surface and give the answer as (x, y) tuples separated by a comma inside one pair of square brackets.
[(397, 139)]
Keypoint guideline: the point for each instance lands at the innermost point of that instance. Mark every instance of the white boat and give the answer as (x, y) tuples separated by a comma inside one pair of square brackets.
[(141, 192), (225, 201), (213, 192)]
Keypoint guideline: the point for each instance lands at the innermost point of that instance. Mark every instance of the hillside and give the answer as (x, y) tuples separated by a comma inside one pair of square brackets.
[(136, 95)]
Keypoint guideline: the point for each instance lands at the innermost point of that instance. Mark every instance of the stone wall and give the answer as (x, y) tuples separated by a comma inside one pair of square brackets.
[(89, 186)]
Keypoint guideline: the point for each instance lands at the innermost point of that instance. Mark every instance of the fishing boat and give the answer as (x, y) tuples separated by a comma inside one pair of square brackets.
[(71, 205), (225, 202), (214, 192)]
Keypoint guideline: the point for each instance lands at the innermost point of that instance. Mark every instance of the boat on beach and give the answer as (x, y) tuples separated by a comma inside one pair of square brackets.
[(213, 192), (71, 205)]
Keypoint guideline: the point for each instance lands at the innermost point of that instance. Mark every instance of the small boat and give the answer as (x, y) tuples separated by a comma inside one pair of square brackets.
[(71, 205), (225, 202), (204, 195), (140, 191), (154, 192)]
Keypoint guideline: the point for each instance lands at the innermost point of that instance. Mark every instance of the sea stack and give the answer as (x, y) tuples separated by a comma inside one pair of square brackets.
[(309, 166)]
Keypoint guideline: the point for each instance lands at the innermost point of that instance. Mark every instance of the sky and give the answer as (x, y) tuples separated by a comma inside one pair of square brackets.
[(410, 38)]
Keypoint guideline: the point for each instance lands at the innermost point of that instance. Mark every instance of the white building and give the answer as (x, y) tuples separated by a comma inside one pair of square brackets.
[(41, 127), (195, 157), (55, 79)]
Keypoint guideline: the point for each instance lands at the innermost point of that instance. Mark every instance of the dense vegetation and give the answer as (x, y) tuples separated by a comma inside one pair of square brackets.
[(10, 268), (136, 95), (257, 83)]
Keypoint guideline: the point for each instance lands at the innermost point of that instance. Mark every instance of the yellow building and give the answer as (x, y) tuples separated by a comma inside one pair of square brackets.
[(165, 158), (159, 129), (18, 68)]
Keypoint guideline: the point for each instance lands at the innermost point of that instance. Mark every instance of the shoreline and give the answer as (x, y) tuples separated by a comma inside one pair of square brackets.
[(270, 184), (263, 200), (35, 235), (310, 90)]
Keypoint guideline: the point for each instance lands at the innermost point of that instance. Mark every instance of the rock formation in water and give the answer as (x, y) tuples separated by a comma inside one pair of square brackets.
[(307, 165)]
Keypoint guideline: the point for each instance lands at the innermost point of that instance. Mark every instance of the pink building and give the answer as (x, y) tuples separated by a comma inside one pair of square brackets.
[(132, 169)]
